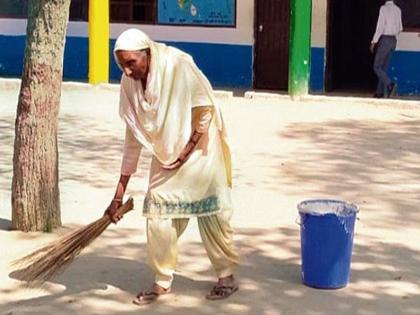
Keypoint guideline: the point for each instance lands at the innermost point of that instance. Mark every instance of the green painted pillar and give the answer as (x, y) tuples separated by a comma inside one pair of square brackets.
[(299, 46)]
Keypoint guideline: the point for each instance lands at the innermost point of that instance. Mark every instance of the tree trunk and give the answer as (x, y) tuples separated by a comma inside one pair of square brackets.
[(35, 193)]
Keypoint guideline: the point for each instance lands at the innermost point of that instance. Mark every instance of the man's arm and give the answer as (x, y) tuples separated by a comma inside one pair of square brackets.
[(379, 30), (400, 22)]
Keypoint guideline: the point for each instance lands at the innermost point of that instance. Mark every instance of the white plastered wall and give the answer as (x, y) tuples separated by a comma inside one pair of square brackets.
[(242, 34)]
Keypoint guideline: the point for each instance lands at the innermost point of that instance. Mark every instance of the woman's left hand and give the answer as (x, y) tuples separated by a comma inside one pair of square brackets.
[(185, 154), (172, 166)]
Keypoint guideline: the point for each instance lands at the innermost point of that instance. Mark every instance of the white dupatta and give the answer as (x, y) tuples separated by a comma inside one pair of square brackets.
[(160, 116)]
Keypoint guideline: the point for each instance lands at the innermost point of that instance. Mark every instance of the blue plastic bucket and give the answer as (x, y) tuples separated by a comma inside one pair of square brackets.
[(326, 234)]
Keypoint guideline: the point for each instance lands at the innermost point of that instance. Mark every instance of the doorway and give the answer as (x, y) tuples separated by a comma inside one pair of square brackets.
[(351, 25), (271, 49)]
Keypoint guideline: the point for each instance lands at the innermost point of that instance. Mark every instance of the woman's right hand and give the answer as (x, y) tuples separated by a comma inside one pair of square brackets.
[(111, 211)]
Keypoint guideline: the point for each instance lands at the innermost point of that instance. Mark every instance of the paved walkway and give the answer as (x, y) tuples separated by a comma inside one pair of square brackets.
[(284, 151)]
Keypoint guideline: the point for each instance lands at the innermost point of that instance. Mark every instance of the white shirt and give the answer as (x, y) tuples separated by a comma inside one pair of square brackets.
[(389, 21)]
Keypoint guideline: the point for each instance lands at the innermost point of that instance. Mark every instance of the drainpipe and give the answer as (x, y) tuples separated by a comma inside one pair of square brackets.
[(98, 41), (299, 47)]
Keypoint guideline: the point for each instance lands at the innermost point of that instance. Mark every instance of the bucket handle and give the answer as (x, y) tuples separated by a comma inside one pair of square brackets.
[(298, 221)]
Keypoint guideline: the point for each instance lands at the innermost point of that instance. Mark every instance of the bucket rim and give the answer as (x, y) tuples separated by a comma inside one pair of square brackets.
[(354, 208)]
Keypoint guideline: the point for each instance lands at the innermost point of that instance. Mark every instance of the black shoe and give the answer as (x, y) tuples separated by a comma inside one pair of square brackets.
[(391, 89), (378, 95)]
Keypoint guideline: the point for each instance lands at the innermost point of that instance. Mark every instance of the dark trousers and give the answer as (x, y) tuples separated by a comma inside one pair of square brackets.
[(384, 50)]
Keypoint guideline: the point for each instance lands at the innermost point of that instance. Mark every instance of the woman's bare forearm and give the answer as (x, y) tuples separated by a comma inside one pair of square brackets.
[(121, 187)]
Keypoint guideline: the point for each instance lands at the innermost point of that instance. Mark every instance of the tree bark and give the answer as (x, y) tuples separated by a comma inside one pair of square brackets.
[(35, 192)]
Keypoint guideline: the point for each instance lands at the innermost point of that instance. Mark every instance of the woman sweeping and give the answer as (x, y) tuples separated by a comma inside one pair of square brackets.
[(169, 108)]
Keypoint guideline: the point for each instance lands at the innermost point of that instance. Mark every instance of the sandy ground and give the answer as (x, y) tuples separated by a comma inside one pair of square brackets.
[(284, 152)]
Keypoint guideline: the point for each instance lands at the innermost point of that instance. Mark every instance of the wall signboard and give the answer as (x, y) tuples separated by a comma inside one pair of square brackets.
[(197, 12)]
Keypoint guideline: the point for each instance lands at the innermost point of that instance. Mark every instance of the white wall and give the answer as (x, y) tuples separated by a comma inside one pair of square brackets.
[(409, 42), (13, 27), (242, 34), (319, 23)]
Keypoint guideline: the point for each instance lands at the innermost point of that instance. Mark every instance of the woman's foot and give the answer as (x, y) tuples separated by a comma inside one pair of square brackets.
[(224, 288), (149, 296)]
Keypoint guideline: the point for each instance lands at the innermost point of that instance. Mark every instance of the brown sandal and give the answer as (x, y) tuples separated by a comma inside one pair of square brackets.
[(149, 296), (220, 292)]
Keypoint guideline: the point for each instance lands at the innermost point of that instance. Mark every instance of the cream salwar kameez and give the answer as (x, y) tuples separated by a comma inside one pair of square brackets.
[(177, 101), (202, 175), (216, 234)]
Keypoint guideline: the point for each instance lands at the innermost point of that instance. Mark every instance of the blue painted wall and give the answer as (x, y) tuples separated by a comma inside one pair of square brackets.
[(404, 69), (75, 57), (11, 55), (224, 65), (317, 75)]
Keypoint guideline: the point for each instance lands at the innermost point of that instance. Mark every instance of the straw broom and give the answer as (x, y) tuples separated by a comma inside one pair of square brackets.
[(44, 263)]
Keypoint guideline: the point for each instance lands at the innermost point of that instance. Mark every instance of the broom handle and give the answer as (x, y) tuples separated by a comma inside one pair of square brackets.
[(126, 206)]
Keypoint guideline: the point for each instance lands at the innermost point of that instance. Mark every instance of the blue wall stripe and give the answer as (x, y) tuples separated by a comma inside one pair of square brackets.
[(11, 55), (75, 57), (224, 65), (405, 70), (317, 69)]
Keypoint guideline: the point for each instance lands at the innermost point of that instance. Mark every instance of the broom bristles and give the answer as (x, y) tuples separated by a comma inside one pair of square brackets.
[(42, 264)]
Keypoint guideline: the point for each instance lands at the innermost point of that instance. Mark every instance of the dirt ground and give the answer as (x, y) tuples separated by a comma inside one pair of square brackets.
[(284, 152)]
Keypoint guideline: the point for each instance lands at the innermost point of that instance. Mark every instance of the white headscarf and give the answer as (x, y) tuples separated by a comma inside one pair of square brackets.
[(132, 40), (160, 116)]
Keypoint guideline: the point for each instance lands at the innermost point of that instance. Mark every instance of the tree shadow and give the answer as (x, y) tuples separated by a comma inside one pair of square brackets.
[(5, 224), (369, 161), (373, 163), (83, 156), (6, 149), (384, 279)]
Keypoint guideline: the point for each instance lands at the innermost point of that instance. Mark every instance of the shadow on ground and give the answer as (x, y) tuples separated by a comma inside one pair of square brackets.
[(6, 150), (372, 163), (269, 277), (5, 224), (87, 148)]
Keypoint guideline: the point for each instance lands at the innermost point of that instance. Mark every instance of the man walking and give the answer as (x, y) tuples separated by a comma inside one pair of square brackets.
[(385, 39)]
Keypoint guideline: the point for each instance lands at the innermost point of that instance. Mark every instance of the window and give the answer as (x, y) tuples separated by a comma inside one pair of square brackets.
[(79, 10), (19, 9), (13, 8), (133, 11)]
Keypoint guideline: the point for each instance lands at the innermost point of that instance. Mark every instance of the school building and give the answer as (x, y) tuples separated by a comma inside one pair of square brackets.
[(318, 45)]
